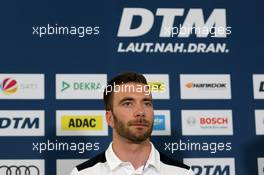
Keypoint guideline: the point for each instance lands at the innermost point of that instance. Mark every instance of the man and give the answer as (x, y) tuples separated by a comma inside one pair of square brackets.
[(129, 112)]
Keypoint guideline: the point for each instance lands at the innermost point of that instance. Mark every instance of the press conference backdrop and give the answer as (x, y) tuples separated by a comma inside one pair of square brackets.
[(205, 57)]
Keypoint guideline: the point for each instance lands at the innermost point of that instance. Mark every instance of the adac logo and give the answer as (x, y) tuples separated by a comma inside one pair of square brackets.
[(159, 122), (9, 86), (157, 86), (81, 122), (205, 85)]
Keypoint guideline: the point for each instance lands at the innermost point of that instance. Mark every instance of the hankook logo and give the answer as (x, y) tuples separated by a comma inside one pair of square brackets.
[(205, 86)]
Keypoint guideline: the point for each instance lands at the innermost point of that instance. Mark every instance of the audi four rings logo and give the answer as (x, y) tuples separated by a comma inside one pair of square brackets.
[(19, 170)]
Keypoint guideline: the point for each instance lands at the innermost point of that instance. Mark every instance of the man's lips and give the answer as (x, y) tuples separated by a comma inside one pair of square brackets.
[(140, 124)]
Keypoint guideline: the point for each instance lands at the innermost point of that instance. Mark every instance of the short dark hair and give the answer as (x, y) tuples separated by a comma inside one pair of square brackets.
[(122, 78)]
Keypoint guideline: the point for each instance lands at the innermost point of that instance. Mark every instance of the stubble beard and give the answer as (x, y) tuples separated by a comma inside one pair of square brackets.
[(124, 130)]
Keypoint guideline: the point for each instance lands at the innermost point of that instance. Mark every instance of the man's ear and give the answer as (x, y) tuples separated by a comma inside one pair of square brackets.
[(109, 118)]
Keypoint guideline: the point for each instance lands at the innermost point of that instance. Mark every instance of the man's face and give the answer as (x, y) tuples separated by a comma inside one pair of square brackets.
[(132, 113)]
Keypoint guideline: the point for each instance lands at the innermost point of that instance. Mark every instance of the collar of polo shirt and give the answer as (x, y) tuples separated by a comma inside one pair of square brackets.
[(114, 162)]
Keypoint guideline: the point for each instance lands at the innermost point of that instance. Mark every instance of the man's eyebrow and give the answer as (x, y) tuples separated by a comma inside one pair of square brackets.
[(147, 99), (126, 99)]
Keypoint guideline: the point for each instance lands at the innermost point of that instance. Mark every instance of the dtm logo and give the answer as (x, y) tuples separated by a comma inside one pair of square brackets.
[(159, 122), (258, 83), (194, 17), (9, 86), (211, 170), (19, 170), (261, 87), (212, 166), (19, 122)]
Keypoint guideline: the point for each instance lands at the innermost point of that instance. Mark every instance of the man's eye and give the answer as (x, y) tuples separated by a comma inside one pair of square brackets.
[(148, 103), (127, 104)]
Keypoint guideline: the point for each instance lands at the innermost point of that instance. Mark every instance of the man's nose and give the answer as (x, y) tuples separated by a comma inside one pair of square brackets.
[(140, 110)]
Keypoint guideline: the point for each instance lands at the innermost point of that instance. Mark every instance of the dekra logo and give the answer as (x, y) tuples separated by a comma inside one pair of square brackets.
[(65, 86), (81, 86)]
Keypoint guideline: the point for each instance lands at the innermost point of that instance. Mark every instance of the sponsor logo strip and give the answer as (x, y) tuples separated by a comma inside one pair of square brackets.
[(259, 120), (80, 86), (81, 123), (21, 123), (205, 86), (22, 167), (21, 86), (162, 125), (207, 122), (159, 85), (211, 166), (258, 83)]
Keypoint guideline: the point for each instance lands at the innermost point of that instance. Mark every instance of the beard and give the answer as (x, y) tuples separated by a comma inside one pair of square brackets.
[(138, 136)]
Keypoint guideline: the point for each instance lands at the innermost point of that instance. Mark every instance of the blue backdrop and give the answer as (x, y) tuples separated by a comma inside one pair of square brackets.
[(25, 52)]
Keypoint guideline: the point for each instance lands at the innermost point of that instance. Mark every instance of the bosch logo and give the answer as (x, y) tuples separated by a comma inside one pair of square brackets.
[(213, 120), (19, 170)]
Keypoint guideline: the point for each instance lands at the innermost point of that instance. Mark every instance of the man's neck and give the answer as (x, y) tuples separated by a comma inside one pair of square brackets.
[(136, 154)]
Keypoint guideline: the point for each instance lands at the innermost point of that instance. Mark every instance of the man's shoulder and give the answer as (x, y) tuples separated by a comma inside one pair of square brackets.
[(168, 161), (100, 158)]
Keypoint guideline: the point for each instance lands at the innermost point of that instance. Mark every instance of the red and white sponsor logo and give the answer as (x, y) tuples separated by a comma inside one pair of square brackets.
[(207, 122), (213, 120)]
